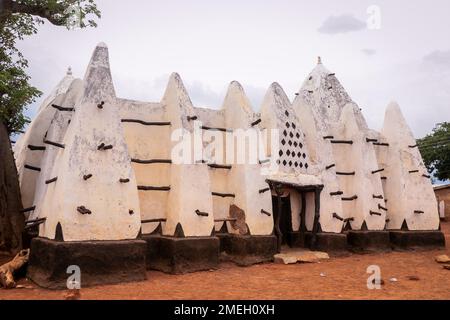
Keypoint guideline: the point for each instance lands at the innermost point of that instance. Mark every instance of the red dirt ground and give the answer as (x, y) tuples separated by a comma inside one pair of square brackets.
[(344, 278)]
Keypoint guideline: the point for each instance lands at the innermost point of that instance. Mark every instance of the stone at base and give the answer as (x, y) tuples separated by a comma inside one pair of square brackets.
[(245, 250), (372, 240), (181, 255), (416, 239), (100, 262), (329, 242)]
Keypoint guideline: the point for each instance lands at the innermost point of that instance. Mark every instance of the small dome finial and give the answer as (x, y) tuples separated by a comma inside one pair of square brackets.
[(319, 60), (69, 71)]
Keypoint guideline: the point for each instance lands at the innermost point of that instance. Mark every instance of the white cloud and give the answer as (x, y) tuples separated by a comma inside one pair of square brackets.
[(439, 58), (369, 52), (341, 24)]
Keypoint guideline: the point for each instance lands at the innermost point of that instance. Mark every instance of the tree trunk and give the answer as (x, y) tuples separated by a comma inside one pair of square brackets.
[(8, 270), (12, 221)]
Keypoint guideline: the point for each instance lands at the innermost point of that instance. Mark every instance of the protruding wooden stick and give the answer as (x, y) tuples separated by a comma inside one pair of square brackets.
[(349, 198), (345, 173), (27, 166), (254, 123), (146, 123), (202, 214), (51, 180), (219, 166), (154, 220), (62, 108), (265, 212), (223, 195), (264, 190), (83, 210), (342, 141), (152, 188), (56, 144), (28, 209), (36, 148), (151, 161), (336, 216)]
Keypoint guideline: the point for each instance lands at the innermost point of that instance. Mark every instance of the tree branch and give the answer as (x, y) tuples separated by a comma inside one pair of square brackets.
[(36, 10)]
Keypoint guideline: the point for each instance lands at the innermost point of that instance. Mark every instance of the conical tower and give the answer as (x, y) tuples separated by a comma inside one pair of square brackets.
[(89, 198)]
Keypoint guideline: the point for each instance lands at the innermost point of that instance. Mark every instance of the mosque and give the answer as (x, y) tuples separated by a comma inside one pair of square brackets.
[(104, 190)]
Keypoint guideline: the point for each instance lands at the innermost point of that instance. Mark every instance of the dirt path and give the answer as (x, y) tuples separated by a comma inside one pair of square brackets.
[(342, 278)]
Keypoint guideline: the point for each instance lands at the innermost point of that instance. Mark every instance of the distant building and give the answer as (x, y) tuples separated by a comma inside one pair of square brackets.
[(443, 198)]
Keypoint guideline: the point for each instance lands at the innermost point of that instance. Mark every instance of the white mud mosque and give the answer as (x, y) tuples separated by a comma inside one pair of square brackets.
[(101, 190)]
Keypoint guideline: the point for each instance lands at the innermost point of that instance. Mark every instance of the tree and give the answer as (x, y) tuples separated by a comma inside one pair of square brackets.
[(18, 19), (435, 150)]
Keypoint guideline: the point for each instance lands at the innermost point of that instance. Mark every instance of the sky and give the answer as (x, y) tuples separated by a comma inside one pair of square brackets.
[(381, 51)]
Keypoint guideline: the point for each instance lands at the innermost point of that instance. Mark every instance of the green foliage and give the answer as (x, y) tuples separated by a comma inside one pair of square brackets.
[(435, 150), (21, 18)]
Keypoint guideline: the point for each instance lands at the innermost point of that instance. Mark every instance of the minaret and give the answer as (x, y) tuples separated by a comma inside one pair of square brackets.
[(93, 194), (359, 174), (244, 179), (189, 211), (410, 197), (28, 150)]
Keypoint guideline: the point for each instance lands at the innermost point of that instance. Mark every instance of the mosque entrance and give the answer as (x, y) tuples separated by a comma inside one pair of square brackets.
[(284, 217), (282, 211)]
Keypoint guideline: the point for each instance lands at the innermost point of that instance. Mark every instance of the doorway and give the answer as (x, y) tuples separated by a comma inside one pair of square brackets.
[(285, 219)]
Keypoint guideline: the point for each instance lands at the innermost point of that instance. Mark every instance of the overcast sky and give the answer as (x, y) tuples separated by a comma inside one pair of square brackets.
[(210, 43)]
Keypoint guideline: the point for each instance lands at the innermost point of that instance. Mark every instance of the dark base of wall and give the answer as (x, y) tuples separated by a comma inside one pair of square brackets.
[(330, 242), (362, 241), (416, 239), (100, 262), (246, 250), (181, 255)]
